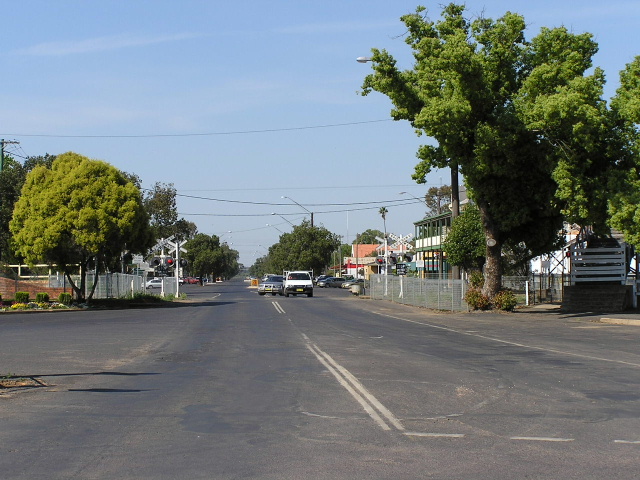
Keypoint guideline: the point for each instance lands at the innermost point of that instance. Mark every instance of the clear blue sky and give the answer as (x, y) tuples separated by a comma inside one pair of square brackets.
[(245, 101)]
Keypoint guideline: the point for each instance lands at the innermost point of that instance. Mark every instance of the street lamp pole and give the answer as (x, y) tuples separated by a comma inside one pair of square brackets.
[(308, 211), (413, 196), (283, 219), (269, 225)]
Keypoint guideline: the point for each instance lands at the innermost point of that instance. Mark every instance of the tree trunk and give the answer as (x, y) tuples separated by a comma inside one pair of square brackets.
[(95, 284), (493, 263), (493, 270), (74, 287)]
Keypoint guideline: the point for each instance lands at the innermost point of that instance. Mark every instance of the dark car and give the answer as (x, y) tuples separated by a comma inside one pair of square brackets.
[(320, 278)]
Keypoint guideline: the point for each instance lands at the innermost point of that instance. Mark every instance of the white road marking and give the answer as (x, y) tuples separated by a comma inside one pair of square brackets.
[(507, 342), (356, 384), (543, 439), (434, 435), (278, 307), (370, 411), (321, 416), (631, 442)]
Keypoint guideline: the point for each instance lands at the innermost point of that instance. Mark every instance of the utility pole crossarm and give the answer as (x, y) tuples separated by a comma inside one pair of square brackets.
[(4, 142)]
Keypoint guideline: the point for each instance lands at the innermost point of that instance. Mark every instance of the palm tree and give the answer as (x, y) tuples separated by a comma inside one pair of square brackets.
[(383, 212)]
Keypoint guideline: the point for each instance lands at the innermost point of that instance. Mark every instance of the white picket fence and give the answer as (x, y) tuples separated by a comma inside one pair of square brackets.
[(598, 265)]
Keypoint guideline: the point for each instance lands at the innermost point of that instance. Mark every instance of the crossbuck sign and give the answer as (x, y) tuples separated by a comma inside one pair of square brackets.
[(401, 242)]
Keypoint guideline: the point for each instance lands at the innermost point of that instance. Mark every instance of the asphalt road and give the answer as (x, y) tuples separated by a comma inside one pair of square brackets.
[(232, 385)]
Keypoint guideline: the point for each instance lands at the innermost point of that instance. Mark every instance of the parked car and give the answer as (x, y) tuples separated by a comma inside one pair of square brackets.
[(274, 284), (334, 282), (348, 283), (154, 283), (319, 278), (322, 282)]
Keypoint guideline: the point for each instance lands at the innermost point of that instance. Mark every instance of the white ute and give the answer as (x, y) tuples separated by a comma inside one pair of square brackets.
[(298, 282)]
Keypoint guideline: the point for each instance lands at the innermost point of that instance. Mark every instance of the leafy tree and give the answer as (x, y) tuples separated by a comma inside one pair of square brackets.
[(160, 203), (80, 212), (345, 251), (465, 246), (305, 248), (202, 254), (12, 178), (465, 242), (184, 229), (369, 236), (437, 198), (521, 120), (261, 267), (624, 206), (206, 256)]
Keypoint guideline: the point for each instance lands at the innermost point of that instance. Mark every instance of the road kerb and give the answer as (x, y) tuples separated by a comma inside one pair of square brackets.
[(620, 321)]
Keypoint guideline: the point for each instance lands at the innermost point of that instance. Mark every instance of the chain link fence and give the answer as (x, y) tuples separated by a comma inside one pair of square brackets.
[(114, 285), (438, 294), (448, 294)]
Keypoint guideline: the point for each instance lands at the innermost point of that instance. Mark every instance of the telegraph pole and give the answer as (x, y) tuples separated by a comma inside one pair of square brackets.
[(4, 142)]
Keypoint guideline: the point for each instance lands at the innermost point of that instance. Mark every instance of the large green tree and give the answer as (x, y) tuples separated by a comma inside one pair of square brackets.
[(12, 177), (522, 121), (206, 256), (161, 204), (305, 248), (369, 236), (78, 214), (624, 206)]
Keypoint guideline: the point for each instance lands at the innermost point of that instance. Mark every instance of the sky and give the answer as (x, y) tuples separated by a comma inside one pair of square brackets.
[(251, 109)]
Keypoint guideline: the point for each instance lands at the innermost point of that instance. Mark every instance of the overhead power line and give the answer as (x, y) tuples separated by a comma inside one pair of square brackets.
[(376, 206), (206, 134), (402, 201)]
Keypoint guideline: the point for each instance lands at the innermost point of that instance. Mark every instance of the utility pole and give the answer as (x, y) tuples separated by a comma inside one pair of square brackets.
[(4, 142)]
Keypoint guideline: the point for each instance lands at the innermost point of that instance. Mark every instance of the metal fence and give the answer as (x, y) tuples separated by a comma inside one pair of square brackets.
[(537, 288), (448, 294), (438, 294), (114, 285)]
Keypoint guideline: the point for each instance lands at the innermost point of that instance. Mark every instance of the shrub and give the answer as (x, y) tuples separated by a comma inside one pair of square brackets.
[(476, 279), (65, 298), (22, 297), (476, 299), (505, 300), (42, 297)]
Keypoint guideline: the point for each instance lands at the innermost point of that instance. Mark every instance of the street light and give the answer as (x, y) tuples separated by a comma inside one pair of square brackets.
[(269, 225), (308, 211), (283, 219), (364, 59), (407, 193)]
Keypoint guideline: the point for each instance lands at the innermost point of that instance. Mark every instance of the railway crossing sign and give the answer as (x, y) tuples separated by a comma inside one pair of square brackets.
[(401, 242)]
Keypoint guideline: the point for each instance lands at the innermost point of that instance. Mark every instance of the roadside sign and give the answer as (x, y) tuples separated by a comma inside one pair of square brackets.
[(401, 268)]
